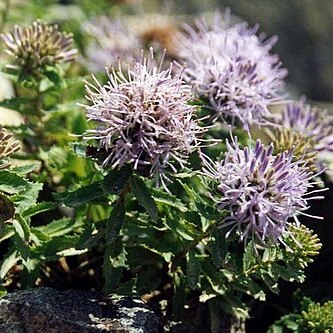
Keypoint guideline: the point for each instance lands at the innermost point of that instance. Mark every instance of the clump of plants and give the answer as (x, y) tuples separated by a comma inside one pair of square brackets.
[(145, 179), (308, 316)]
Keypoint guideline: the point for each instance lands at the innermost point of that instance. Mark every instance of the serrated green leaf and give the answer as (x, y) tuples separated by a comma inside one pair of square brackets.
[(52, 250), (82, 196), (270, 282), (60, 227), (27, 197), (38, 208), (14, 103), (249, 257), (22, 228), (282, 272), (79, 148), (142, 194), (54, 77), (11, 183), (218, 280), (8, 262), (24, 169), (168, 200), (252, 288), (185, 229), (115, 181), (113, 266), (115, 222)]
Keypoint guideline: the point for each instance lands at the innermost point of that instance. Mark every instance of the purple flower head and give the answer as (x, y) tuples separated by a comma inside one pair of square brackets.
[(143, 118), (312, 123), (261, 192), (112, 40), (232, 69)]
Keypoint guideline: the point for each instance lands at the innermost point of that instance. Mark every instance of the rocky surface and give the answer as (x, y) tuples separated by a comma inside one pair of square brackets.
[(50, 311)]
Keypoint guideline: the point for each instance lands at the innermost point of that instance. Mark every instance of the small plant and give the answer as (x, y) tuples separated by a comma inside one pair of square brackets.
[(144, 179), (309, 317)]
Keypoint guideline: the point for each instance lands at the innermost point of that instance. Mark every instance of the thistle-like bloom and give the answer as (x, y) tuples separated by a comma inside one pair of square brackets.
[(8, 146), (314, 124), (232, 70), (261, 192), (144, 118), (38, 45), (112, 40)]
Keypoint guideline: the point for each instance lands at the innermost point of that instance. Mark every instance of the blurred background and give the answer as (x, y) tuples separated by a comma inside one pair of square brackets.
[(304, 28)]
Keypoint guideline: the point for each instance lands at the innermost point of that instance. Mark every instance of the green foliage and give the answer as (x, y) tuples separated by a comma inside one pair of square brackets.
[(310, 317), (136, 239)]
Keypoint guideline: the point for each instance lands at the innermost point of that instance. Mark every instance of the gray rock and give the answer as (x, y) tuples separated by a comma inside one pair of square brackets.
[(47, 310)]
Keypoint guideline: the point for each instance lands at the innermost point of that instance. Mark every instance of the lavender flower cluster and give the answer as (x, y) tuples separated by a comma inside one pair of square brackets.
[(146, 116), (232, 69), (261, 192)]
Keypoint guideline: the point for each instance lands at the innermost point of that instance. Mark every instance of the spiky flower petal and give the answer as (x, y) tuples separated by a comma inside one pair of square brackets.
[(232, 69), (8, 146), (38, 45), (144, 118), (261, 192)]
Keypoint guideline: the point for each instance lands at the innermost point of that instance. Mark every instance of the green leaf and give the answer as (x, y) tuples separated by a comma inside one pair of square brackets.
[(193, 270), (185, 229), (60, 227), (11, 183), (38, 208), (22, 228), (219, 247), (52, 249), (168, 200), (179, 296), (79, 148), (54, 77), (115, 222), (14, 103), (89, 238), (142, 194), (113, 266), (3, 291), (249, 257), (83, 195), (27, 197), (9, 261), (115, 181), (24, 169)]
